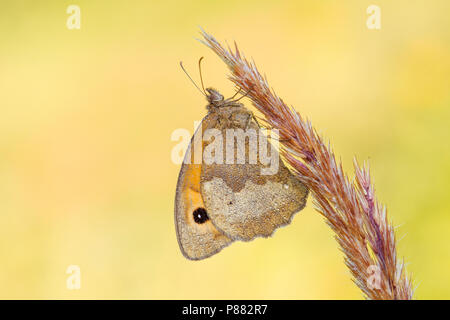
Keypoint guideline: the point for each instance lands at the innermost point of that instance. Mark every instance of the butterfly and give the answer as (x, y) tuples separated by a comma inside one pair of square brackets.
[(220, 201)]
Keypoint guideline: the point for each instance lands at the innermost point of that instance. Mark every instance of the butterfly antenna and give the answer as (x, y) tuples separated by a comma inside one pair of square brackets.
[(202, 92)]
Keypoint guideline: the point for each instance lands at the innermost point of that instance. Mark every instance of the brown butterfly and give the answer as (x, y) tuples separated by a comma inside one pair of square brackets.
[(218, 202)]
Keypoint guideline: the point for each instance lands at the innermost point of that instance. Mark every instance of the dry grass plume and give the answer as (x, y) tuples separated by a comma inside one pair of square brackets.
[(350, 208)]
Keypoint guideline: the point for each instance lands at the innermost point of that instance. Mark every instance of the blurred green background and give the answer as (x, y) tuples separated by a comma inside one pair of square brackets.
[(86, 176)]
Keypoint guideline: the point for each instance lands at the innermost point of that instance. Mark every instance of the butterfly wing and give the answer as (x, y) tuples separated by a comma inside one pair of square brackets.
[(197, 237), (242, 202)]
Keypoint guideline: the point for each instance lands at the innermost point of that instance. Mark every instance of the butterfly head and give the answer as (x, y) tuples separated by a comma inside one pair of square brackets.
[(217, 100), (214, 97)]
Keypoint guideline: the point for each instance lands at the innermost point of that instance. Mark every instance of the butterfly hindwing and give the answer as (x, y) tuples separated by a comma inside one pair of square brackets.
[(242, 202)]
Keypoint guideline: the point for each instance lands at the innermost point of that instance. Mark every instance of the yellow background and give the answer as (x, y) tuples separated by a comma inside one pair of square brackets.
[(86, 176)]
